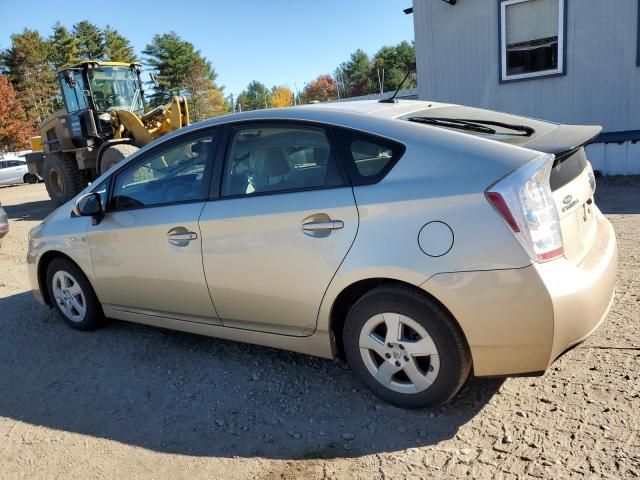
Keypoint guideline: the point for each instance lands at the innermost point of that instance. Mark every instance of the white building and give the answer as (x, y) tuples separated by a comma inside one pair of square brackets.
[(567, 61)]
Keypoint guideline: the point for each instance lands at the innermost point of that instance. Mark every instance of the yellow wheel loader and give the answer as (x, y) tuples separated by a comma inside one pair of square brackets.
[(103, 122)]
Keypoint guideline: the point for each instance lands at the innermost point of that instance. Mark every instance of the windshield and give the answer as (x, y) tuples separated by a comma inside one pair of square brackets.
[(115, 88)]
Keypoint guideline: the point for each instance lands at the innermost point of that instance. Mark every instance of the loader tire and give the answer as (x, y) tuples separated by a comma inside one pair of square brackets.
[(62, 177), (115, 154)]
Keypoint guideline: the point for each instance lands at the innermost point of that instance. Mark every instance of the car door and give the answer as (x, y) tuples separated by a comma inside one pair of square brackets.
[(284, 220), (21, 170), (3, 172), (146, 251), (13, 172)]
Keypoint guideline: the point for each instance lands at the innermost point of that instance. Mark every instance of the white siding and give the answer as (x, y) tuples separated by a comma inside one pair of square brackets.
[(615, 158), (458, 59)]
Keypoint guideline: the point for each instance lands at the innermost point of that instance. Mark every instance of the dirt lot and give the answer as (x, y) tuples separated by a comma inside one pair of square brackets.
[(131, 401)]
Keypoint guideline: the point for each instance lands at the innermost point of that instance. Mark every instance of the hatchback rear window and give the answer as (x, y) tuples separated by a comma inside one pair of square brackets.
[(368, 158), (566, 168)]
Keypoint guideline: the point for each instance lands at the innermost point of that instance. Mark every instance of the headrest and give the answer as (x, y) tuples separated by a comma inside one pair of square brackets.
[(320, 156), (275, 163)]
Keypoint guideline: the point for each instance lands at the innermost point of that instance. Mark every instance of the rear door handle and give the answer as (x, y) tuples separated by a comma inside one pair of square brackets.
[(326, 225)]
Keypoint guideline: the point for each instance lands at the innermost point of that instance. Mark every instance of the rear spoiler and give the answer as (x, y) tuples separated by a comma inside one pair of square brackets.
[(564, 140)]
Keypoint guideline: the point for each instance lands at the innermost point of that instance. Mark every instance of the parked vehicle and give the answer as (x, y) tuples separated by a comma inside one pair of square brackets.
[(422, 241), (103, 121), (4, 224), (14, 170)]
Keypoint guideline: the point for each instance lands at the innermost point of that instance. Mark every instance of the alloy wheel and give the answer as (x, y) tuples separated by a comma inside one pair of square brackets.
[(69, 296), (399, 353)]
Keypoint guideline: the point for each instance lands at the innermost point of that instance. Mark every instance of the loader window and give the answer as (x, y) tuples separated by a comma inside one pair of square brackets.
[(74, 95), (174, 175), (115, 88)]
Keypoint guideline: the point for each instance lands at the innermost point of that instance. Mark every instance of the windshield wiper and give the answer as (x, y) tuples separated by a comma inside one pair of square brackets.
[(479, 126)]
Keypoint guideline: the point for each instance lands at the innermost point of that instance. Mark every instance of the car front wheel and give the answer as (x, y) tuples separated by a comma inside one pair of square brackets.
[(405, 347), (72, 296)]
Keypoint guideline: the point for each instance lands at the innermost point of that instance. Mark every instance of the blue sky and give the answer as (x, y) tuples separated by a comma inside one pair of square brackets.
[(274, 41)]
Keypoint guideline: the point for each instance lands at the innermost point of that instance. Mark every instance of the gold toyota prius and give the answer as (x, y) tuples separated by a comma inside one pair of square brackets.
[(421, 241)]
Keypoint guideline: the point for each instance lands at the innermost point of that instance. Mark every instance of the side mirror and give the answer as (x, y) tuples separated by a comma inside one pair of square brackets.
[(154, 79), (89, 205)]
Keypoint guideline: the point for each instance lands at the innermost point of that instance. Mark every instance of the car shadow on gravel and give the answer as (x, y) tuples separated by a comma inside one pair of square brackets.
[(37, 210), (190, 395)]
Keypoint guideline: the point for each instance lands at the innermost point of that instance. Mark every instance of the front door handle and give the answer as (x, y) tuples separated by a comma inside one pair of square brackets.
[(324, 225), (181, 238)]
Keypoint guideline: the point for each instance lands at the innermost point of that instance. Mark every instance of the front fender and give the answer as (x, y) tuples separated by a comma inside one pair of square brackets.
[(47, 239)]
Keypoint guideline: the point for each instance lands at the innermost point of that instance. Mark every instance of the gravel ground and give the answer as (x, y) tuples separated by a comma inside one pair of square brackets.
[(132, 401)]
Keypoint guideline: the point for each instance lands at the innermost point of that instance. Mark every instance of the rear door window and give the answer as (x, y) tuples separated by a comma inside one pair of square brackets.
[(368, 158), (270, 159)]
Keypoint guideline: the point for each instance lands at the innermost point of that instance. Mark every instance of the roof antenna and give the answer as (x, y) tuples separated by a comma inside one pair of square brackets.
[(392, 98)]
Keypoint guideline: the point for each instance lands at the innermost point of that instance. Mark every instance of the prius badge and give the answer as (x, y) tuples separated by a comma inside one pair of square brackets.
[(568, 202)]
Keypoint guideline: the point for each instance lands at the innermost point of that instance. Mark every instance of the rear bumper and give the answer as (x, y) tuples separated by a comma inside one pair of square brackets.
[(582, 295), (519, 321)]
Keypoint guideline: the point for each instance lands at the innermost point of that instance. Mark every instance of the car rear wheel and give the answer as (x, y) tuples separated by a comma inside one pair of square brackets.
[(72, 296), (406, 348), (30, 178)]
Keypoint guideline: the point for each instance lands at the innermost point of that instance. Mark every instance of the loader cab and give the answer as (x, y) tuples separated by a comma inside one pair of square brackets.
[(91, 90)]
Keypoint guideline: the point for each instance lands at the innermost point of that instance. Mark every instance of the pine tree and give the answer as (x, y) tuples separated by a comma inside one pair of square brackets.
[(172, 58), (64, 47), (355, 74), (26, 64), (205, 98), (90, 39), (395, 61), (254, 97), (116, 47)]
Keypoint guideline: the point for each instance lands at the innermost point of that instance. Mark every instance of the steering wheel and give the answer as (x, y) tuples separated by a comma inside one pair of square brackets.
[(113, 99)]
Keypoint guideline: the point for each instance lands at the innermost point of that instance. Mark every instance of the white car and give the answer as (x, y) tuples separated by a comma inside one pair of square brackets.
[(15, 170)]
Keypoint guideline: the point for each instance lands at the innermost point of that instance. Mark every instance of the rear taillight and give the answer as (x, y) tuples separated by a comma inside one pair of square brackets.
[(4, 228), (523, 199)]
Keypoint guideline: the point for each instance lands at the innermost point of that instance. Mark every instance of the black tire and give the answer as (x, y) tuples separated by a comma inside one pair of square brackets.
[(453, 353), (115, 154), (93, 317), (30, 178), (62, 177)]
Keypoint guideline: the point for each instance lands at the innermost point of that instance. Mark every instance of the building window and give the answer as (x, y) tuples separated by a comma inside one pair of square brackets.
[(532, 38)]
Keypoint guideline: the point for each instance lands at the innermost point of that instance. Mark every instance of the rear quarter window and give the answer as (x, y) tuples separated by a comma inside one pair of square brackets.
[(368, 158)]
